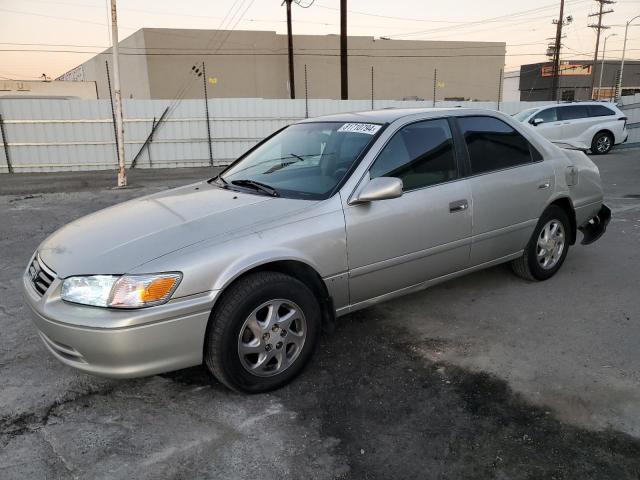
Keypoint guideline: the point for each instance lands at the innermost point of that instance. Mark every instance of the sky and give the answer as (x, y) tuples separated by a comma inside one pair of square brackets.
[(53, 36)]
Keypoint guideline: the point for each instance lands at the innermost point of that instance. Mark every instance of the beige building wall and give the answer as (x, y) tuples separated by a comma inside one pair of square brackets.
[(134, 78), (38, 88), (255, 64)]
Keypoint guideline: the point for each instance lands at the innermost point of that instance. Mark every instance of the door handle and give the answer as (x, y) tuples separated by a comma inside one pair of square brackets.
[(543, 185), (458, 206)]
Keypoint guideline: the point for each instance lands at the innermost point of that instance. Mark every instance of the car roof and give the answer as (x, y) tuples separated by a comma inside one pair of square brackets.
[(389, 115), (586, 102)]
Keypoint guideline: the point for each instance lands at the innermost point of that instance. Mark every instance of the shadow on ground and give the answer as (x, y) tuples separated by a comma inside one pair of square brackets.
[(399, 416)]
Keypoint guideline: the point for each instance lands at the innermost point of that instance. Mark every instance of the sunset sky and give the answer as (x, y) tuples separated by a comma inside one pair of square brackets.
[(53, 36)]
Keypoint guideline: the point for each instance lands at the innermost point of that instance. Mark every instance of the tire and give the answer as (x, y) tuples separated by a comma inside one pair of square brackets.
[(285, 330), (602, 143), (530, 265)]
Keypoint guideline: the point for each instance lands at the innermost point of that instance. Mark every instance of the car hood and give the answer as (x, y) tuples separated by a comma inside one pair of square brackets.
[(120, 238)]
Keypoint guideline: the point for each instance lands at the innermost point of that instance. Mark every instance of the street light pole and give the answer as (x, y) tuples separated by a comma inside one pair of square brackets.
[(122, 174), (624, 49), (604, 51)]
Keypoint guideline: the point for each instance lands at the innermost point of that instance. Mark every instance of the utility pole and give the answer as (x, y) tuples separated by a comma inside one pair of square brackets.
[(604, 51), (344, 76), (435, 84), (372, 91), (599, 27), (292, 82), (500, 80), (206, 111), (122, 174), (624, 51), (556, 53)]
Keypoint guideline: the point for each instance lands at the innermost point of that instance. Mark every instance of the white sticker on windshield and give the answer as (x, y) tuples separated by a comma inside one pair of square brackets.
[(366, 128)]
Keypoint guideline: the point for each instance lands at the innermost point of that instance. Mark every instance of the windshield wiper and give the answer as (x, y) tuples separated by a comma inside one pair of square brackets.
[(263, 187)]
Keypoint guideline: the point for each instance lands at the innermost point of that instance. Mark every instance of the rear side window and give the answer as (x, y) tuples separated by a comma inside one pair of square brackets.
[(493, 145), (421, 154), (600, 111), (573, 112), (548, 115)]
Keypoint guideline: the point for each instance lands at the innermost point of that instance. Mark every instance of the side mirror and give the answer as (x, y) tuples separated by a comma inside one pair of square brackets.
[(536, 121), (380, 188)]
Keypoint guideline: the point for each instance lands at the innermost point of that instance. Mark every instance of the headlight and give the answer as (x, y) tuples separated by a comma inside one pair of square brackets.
[(128, 291)]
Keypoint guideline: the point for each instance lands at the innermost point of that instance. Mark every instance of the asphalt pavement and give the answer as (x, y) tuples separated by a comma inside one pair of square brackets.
[(486, 376)]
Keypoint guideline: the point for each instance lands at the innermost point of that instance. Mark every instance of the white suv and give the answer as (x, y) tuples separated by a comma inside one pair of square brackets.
[(596, 126)]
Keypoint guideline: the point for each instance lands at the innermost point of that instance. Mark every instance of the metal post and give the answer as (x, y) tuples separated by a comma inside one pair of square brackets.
[(113, 112), (206, 110), (435, 83), (306, 93), (624, 51), (153, 128), (5, 143), (122, 174), (499, 88), (372, 92), (292, 82), (147, 142), (344, 75)]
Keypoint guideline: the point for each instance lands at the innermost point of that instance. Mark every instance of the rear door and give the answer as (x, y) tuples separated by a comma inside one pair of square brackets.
[(426, 233), (510, 186), (575, 121)]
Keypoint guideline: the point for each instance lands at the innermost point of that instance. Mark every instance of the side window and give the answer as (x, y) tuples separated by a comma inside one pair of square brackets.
[(574, 112), (421, 154), (548, 115), (600, 111), (493, 145)]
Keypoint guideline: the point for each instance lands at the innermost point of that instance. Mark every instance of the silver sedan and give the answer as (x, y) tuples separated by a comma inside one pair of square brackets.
[(324, 217)]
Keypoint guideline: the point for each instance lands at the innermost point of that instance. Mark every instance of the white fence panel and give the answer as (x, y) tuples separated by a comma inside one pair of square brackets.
[(65, 135)]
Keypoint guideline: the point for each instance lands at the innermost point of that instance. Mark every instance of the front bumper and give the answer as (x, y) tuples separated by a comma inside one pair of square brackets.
[(595, 228), (121, 343)]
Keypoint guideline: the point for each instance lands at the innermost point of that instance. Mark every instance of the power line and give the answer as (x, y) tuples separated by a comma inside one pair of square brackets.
[(511, 16), (320, 54), (403, 49)]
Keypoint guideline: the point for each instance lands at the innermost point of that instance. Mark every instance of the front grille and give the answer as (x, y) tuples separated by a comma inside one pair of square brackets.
[(41, 276)]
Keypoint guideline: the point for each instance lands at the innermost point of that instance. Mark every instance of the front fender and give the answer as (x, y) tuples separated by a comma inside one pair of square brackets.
[(244, 264)]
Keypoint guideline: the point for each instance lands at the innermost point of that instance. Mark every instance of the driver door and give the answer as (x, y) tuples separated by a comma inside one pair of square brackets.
[(551, 127), (402, 242)]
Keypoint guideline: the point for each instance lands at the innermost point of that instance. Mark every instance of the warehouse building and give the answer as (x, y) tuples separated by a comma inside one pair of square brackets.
[(158, 64), (575, 80)]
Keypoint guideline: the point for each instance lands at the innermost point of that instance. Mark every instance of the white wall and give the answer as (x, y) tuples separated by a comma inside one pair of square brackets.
[(68, 135)]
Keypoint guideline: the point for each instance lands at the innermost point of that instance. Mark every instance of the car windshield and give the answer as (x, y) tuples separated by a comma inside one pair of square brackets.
[(523, 115), (305, 160)]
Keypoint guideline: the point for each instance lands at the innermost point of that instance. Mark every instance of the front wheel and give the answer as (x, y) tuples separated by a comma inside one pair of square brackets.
[(262, 332), (547, 248), (602, 143)]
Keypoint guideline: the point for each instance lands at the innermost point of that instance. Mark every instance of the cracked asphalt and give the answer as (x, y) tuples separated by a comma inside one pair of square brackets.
[(486, 376)]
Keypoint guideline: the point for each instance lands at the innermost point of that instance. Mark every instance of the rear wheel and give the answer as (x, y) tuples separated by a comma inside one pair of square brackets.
[(263, 332), (547, 248), (602, 143)]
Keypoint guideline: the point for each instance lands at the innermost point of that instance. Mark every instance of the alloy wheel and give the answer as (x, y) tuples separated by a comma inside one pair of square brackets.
[(272, 337), (550, 246)]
